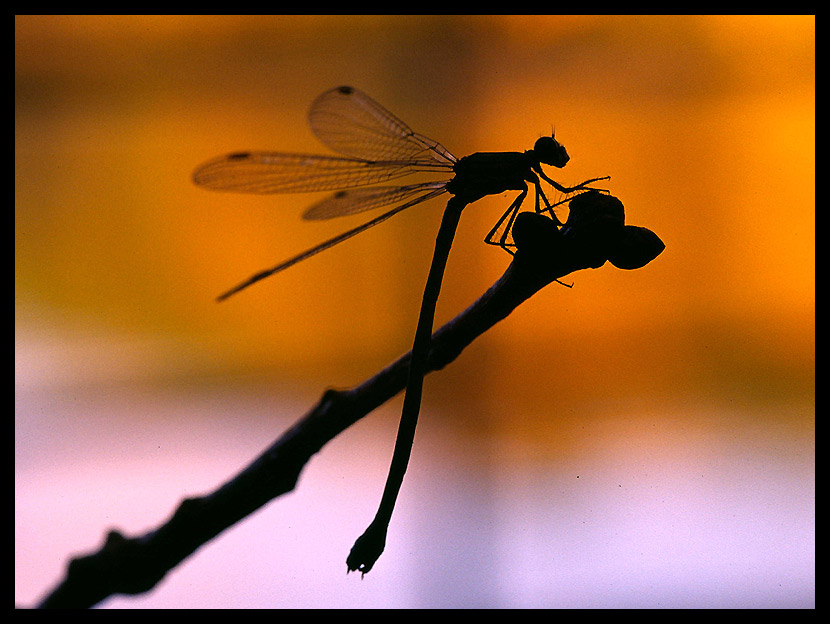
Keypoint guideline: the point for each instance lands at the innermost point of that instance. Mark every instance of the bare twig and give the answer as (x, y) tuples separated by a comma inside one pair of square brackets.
[(594, 233)]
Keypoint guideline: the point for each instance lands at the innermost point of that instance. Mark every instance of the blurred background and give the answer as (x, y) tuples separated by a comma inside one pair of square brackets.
[(645, 439)]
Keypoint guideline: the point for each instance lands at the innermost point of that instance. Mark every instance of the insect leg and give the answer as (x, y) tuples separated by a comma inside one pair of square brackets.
[(509, 216), (566, 189), (548, 206)]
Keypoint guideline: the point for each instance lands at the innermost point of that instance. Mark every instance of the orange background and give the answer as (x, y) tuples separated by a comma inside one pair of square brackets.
[(643, 439)]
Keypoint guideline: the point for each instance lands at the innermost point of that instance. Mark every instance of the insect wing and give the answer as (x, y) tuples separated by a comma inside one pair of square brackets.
[(351, 123), (354, 201), (275, 172)]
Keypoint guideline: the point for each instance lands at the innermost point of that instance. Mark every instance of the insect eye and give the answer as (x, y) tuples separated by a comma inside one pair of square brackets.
[(545, 145), (550, 151)]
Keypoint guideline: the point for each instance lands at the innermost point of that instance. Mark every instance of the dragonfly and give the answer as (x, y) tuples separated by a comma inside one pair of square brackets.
[(376, 147)]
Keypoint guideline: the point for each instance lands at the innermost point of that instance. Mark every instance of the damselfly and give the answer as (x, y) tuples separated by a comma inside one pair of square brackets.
[(378, 147)]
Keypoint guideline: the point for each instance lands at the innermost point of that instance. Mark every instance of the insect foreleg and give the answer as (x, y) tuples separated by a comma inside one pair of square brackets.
[(565, 189)]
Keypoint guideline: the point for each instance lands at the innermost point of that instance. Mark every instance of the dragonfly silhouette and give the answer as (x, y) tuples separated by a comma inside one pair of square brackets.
[(378, 147)]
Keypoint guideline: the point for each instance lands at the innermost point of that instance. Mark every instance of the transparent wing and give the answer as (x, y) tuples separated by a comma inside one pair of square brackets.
[(360, 200), (331, 242), (351, 123), (275, 172)]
